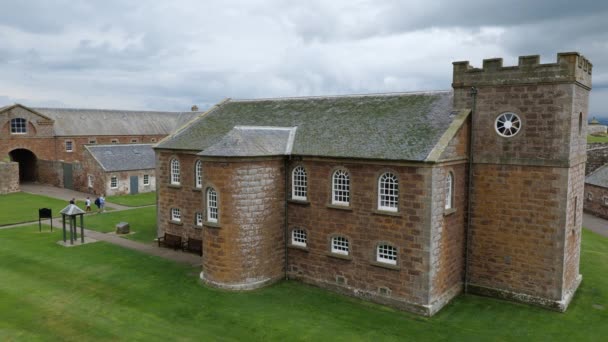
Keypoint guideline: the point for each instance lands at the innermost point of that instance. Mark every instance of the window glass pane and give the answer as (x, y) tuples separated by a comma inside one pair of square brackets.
[(341, 188), (299, 183), (388, 192)]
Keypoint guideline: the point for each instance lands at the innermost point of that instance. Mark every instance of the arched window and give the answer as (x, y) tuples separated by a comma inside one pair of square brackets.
[(18, 126), (299, 184), (175, 179), (198, 174), (449, 191), (298, 237), (212, 210), (340, 188), (388, 192), (387, 254), (339, 245)]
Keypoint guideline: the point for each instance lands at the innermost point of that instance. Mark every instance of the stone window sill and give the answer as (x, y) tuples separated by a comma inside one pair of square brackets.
[(450, 211), (340, 207), (212, 225), (174, 186), (177, 223), (197, 189), (339, 256), (385, 265), (297, 201), (386, 212), (302, 248), (197, 227)]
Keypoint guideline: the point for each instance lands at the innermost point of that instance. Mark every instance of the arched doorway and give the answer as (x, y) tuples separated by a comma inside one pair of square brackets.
[(27, 164)]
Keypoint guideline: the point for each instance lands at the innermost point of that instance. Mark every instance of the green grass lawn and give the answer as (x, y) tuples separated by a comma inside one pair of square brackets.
[(594, 139), (104, 292), (138, 200), (23, 207), (142, 222)]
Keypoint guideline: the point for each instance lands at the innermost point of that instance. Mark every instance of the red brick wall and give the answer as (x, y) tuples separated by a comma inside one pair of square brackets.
[(365, 227), (246, 248)]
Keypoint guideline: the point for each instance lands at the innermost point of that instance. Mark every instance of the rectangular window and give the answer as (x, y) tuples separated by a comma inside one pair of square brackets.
[(92, 141), (113, 182), (176, 215), (298, 237), (114, 141), (90, 181), (199, 219), (18, 126), (387, 254), (339, 245), (146, 180), (133, 141), (211, 205), (69, 146)]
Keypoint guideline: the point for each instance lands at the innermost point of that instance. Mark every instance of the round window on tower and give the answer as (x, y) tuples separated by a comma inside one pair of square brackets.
[(507, 124)]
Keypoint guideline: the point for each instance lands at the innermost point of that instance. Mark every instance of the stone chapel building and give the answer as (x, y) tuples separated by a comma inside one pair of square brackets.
[(405, 199)]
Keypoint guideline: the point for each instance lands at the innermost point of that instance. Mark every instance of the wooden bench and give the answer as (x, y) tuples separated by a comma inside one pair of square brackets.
[(194, 246), (170, 241)]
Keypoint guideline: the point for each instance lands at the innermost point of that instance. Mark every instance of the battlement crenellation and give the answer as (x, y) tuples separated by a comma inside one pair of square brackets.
[(571, 67)]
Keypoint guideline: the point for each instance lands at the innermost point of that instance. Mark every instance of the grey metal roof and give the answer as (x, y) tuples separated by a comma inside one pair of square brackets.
[(71, 210), (253, 141), (598, 177), (123, 157), (398, 126), (70, 122)]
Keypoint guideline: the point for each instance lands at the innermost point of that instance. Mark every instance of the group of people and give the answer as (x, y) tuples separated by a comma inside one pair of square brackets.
[(100, 203)]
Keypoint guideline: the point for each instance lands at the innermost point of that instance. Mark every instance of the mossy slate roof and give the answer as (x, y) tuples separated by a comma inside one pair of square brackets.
[(598, 177), (399, 126)]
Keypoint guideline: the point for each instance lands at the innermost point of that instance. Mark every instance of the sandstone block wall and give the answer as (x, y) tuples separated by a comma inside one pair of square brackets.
[(9, 178), (518, 220), (448, 235), (245, 249), (185, 196), (406, 285)]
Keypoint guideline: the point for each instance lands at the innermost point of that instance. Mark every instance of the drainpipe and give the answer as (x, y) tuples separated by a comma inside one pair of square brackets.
[(467, 247), (285, 168)]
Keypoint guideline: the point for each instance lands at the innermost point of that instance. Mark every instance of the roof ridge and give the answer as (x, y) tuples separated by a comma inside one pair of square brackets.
[(317, 97), (113, 110)]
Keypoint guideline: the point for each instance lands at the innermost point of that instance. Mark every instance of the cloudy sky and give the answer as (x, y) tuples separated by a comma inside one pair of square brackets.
[(169, 55)]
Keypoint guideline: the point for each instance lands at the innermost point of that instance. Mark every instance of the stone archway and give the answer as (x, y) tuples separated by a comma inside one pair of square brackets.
[(27, 164)]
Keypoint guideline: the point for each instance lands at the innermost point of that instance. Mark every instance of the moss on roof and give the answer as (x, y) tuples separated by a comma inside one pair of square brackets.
[(403, 126)]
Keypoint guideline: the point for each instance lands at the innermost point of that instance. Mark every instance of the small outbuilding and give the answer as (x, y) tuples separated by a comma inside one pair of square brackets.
[(119, 169), (596, 192)]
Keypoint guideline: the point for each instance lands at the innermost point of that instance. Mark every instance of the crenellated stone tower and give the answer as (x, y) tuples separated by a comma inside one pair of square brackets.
[(528, 147)]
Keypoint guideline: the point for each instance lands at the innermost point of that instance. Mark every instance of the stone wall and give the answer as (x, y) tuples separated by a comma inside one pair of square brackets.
[(185, 196), (448, 235), (597, 156), (9, 178), (518, 218), (596, 200), (245, 248), (405, 285)]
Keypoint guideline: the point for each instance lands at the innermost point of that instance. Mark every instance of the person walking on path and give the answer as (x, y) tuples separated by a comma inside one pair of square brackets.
[(87, 204), (98, 204), (102, 203)]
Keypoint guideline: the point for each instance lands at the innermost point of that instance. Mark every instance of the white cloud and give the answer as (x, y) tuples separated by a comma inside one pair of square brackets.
[(165, 55)]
